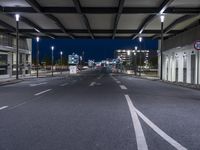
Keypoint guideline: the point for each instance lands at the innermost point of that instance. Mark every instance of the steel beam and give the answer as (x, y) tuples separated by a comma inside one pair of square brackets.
[(36, 6), (101, 10), (119, 12), (84, 17), (161, 10)]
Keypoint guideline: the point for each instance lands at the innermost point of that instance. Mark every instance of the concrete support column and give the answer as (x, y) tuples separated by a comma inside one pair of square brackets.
[(180, 68), (10, 64), (188, 55), (23, 64), (173, 69), (159, 63)]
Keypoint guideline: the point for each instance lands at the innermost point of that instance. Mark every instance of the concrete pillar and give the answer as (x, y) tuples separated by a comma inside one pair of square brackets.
[(180, 67), (10, 64), (24, 64), (173, 68), (188, 55)]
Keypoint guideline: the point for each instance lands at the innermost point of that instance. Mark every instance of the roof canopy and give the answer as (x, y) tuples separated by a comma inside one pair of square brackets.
[(98, 18)]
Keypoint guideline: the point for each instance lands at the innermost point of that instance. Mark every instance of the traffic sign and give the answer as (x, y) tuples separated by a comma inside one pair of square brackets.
[(197, 45)]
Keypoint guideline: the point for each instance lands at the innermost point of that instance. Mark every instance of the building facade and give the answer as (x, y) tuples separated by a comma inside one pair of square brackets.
[(180, 58), (8, 56)]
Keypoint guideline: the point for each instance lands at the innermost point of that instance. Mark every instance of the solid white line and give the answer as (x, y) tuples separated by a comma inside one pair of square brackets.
[(64, 84), (32, 85), (42, 92), (140, 138), (1, 108), (169, 139), (92, 84), (123, 87)]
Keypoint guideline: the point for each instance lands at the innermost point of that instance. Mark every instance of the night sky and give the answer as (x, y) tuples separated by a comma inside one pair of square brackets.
[(94, 49)]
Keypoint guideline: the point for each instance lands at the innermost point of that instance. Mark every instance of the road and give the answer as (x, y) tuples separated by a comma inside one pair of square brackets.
[(95, 110)]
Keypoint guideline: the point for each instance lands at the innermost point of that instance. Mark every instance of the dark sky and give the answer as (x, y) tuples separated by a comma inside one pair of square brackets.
[(93, 49)]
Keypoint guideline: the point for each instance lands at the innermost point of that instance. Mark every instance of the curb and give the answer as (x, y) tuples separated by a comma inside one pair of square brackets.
[(10, 82)]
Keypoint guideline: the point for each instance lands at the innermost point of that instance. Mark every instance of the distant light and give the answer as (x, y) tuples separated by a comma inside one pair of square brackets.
[(17, 16), (37, 39), (136, 47), (128, 52), (162, 18), (61, 53), (141, 31), (135, 53), (52, 48), (140, 39)]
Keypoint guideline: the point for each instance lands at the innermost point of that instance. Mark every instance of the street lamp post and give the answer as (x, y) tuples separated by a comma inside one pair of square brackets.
[(162, 18), (52, 49), (61, 53), (136, 66), (37, 39), (17, 16), (140, 40)]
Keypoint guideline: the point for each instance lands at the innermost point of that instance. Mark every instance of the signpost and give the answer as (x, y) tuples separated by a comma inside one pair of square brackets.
[(197, 47)]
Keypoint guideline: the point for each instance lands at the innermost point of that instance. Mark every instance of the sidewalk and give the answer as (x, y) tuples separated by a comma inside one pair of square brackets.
[(13, 80), (154, 78)]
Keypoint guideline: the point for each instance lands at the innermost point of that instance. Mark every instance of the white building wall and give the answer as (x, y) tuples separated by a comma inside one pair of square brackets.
[(170, 57), (11, 59)]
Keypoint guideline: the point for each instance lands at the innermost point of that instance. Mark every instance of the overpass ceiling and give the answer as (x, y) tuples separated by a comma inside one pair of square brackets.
[(98, 18)]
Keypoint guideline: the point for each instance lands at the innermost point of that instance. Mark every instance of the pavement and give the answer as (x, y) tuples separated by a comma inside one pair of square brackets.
[(96, 110), (13, 80)]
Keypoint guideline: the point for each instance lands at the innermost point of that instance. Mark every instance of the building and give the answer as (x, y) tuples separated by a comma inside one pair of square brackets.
[(8, 56), (130, 56), (180, 58)]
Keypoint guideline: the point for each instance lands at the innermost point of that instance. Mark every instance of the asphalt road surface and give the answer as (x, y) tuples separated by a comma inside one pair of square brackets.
[(95, 110)]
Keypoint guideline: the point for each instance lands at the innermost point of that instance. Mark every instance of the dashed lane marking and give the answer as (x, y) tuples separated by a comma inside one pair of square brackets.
[(100, 77), (92, 84), (4, 107), (42, 92), (64, 84), (140, 138), (119, 82), (123, 87), (37, 84)]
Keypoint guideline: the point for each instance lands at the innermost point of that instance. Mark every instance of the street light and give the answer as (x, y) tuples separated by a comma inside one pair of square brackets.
[(140, 40), (61, 53), (135, 54), (17, 16), (52, 49), (37, 39), (162, 18)]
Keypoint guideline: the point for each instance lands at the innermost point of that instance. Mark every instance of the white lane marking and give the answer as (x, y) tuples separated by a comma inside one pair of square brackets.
[(118, 82), (100, 77), (18, 105), (140, 138), (169, 139), (4, 107), (92, 84), (123, 87), (42, 92), (64, 84), (33, 85)]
